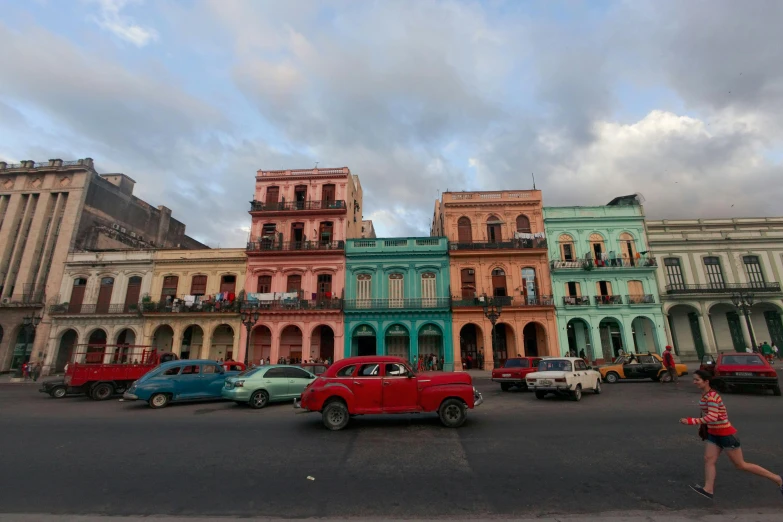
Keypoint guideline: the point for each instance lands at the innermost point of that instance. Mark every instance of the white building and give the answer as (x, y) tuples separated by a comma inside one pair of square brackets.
[(705, 264)]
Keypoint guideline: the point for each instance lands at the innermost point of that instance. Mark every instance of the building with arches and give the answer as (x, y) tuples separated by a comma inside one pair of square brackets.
[(603, 280), (497, 249), (397, 298), (703, 263)]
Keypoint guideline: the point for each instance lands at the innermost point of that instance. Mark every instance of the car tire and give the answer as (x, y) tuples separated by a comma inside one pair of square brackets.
[(101, 391), (259, 400), (597, 389), (159, 400), (540, 395), (576, 395), (58, 392), (504, 386), (452, 413), (612, 377), (776, 390), (666, 377), (335, 415)]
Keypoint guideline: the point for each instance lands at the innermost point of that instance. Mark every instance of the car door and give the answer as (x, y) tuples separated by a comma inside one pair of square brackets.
[(297, 380), (650, 366), (581, 375), (212, 379), (367, 388), (400, 389), (632, 368), (275, 382), (188, 382)]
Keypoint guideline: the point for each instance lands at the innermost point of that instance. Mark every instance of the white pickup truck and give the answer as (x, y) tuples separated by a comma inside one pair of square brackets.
[(563, 376)]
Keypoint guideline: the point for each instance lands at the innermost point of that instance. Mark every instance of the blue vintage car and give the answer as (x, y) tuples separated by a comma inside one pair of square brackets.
[(177, 381)]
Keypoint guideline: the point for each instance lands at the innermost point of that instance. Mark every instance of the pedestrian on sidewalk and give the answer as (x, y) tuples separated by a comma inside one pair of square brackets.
[(766, 351), (36, 371), (671, 366), (26, 371), (720, 435)]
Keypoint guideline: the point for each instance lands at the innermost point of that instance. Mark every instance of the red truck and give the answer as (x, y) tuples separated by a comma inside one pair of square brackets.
[(514, 371), (100, 371), (387, 384)]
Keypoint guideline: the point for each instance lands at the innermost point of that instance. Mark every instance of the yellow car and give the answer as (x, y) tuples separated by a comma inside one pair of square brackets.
[(633, 366)]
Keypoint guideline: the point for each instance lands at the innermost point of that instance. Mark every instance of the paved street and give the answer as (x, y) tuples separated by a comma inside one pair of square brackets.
[(622, 451)]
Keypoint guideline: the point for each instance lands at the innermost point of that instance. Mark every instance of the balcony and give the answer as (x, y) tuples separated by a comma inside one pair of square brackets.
[(30, 296), (92, 309), (579, 300), (608, 300), (292, 305), (180, 306), (269, 246), (644, 262), (508, 301), (722, 288), (641, 299), (512, 244), (410, 303), (288, 206)]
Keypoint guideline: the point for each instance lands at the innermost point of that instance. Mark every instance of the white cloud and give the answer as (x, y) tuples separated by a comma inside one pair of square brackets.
[(124, 27)]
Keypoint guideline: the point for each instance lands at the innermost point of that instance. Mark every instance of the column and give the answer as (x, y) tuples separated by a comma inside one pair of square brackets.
[(34, 245), (307, 342), (274, 350), (413, 349), (667, 329), (206, 347), (745, 331), (176, 343), (627, 333), (489, 354), (709, 346), (711, 342)]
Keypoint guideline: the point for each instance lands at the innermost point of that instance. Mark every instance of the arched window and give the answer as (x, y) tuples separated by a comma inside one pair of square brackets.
[(169, 287), (714, 272), (464, 232), (493, 230), (324, 286), (529, 285), (499, 283), (294, 283), (396, 290), (272, 194), (77, 295), (264, 284), (523, 224), (132, 294), (429, 290), (674, 278), (567, 250), (753, 270), (198, 285), (104, 295), (363, 290), (628, 249), (468, 283), (597, 247)]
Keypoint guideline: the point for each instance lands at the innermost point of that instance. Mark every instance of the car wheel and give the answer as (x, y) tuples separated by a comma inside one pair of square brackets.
[(159, 400), (540, 395), (101, 392), (335, 415), (259, 399), (504, 386), (666, 377), (452, 413), (612, 377), (597, 389), (577, 393), (776, 390), (58, 392)]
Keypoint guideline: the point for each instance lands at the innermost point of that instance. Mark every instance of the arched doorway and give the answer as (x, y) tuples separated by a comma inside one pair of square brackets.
[(96, 347), (163, 338), (398, 342), (767, 324), (471, 347), (65, 349), (322, 343), (291, 344), (686, 333), (260, 344), (25, 338), (610, 330), (363, 341), (222, 343), (431, 343), (579, 340), (503, 344), (534, 335), (192, 341), (645, 335), (122, 352)]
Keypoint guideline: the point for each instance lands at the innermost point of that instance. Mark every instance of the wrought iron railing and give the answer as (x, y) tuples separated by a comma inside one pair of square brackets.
[(294, 304), (261, 206), (510, 244), (403, 304), (722, 288), (640, 299), (578, 300), (182, 306), (598, 264), (520, 300), (287, 246), (68, 308), (608, 300)]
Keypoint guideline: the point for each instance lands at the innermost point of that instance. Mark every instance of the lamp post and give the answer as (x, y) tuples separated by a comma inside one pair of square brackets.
[(492, 311), (744, 301), (249, 318), (29, 324)]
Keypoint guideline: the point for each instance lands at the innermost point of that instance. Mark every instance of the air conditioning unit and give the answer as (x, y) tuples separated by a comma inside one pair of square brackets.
[(133, 234), (471, 272), (6, 300), (115, 226), (123, 230)]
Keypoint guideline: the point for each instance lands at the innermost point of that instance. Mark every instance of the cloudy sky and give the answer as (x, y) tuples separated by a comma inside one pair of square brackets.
[(680, 101)]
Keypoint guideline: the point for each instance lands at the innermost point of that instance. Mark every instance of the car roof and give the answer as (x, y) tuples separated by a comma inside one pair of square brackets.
[(369, 359), (563, 359)]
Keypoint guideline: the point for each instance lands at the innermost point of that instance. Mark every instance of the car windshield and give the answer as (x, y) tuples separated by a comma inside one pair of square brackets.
[(249, 372), (555, 365), (516, 363), (742, 360), (620, 360)]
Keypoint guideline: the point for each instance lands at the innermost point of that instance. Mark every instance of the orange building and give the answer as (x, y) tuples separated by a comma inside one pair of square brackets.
[(498, 255)]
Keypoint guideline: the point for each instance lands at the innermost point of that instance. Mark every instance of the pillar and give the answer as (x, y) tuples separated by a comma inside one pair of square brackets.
[(745, 331), (176, 343), (274, 350), (627, 335), (668, 331), (711, 343), (206, 346), (413, 348), (307, 342)]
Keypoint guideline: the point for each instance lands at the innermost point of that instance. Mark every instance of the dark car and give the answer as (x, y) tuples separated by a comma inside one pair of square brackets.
[(57, 389), (741, 370), (514, 371)]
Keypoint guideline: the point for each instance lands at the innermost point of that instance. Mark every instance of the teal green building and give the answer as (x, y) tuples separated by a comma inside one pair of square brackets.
[(397, 298), (603, 280)]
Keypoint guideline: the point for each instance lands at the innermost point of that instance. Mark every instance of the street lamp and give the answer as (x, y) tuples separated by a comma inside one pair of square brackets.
[(492, 311), (744, 301), (29, 324), (249, 318)]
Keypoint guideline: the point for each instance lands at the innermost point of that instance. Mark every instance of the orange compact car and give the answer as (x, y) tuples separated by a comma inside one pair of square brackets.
[(633, 366)]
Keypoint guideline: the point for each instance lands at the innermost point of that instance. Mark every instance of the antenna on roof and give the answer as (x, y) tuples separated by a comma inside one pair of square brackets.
[(534, 180), (316, 164), (640, 197)]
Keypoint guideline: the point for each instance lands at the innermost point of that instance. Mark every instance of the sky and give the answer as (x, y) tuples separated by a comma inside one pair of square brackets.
[(681, 102)]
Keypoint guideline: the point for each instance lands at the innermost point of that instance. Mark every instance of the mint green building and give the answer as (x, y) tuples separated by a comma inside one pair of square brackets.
[(603, 280), (397, 298)]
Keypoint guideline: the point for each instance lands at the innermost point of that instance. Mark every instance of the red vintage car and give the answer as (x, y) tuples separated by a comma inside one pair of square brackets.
[(387, 384), (741, 370), (514, 371)]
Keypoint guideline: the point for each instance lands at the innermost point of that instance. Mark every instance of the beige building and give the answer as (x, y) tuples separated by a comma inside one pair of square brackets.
[(368, 229), (702, 265), (48, 210), (193, 305)]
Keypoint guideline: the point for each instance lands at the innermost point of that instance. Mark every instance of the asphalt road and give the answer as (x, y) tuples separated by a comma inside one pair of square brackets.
[(620, 451)]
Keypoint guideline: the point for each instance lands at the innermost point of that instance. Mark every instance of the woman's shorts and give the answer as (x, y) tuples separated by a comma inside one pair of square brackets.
[(728, 442)]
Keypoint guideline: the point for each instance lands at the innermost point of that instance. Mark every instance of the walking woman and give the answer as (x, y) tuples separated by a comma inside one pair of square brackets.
[(720, 435)]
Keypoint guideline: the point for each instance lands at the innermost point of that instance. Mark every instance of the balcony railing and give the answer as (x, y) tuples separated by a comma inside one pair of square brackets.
[(608, 300), (87, 309), (290, 246), (295, 304), (600, 264), (722, 288), (261, 206), (579, 300), (182, 306), (511, 244), (641, 299), (539, 300), (409, 303)]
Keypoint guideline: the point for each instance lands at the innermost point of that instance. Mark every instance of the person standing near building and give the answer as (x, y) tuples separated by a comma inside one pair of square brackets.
[(766, 351), (668, 362), (720, 435)]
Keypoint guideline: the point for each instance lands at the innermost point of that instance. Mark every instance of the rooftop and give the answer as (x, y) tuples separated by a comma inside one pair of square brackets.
[(344, 171)]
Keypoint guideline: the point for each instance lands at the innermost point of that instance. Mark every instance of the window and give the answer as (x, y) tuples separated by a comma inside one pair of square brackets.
[(268, 230), (300, 195), (395, 370), (228, 283), (275, 373), (580, 365), (325, 231), (198, 285), (493, 230), (573, 289), (211, 369), (567, 252), (324, 286), (104, 295), (347, 371), (363, 290), (597, 245), (169, 287), (77, 295), (464, 232), (753, 269), (635, 288), (628, 248), (298, 235), (647, 359), (272, 194), (428, 289), (468, 283), (523, 225), (296, 373), (327, 193), (132, 293), (190, 370), (555, 365), (172, 371), (603, 287), (674, 273), (499, 283), (396, 290), (529, 285), (294, 283), (368, 370), (714, 272), (264, 285)]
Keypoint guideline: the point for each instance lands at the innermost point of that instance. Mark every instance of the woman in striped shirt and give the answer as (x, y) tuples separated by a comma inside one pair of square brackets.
[(721, 435)]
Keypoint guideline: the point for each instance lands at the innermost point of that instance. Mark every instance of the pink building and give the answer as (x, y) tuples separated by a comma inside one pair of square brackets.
[(296, 261)]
